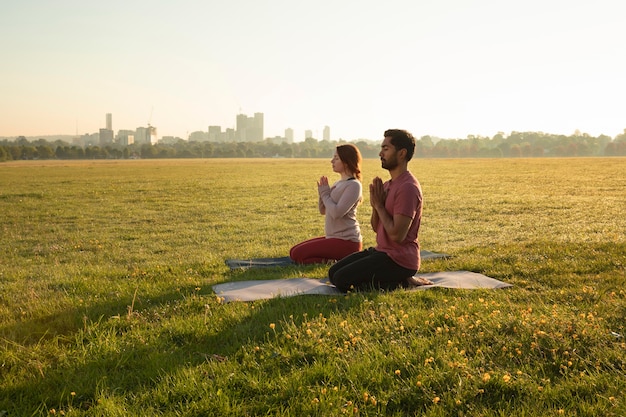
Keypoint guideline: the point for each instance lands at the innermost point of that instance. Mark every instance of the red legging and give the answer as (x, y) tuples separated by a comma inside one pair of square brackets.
[(321, 250)]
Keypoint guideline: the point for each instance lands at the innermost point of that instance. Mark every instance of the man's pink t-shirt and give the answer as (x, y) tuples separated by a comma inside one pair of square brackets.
[(404, 196)]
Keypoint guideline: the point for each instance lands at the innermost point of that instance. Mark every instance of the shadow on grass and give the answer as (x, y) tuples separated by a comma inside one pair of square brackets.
[(126, 357)]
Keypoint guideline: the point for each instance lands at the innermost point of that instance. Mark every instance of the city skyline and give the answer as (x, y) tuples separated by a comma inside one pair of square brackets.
[(247, 129), (446, 68)]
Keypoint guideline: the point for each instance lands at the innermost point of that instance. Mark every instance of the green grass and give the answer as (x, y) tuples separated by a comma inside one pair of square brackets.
[(106, 307)]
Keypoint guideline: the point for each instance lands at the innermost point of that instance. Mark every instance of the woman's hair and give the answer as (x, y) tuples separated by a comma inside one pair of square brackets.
[(351, 158)]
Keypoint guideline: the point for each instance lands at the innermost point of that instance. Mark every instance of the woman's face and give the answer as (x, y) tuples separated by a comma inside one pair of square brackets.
[(337, 164)]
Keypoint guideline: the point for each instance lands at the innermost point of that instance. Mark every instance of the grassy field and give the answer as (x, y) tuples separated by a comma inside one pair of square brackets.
[(106, 306)]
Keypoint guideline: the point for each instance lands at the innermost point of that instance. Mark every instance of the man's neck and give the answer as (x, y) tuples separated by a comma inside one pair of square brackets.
[(397, 171)]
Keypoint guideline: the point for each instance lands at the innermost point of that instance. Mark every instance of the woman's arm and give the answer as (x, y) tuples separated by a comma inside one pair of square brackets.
[(322, 184), (350, 195)]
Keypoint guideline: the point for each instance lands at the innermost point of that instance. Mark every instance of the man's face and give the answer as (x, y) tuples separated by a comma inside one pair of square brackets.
[(388, 154)]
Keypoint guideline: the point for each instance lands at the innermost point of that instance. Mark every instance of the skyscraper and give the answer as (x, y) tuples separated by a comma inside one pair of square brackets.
[(326, 133), (289, 135), (250, 129), (106, 134)]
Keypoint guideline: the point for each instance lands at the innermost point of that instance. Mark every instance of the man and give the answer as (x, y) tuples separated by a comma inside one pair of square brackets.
[(396, 217)]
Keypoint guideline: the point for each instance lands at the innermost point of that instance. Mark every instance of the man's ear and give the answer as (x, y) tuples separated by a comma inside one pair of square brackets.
[(402, 152)]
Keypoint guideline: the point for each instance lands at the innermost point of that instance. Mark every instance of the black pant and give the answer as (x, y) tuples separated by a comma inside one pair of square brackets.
[(368, 269)]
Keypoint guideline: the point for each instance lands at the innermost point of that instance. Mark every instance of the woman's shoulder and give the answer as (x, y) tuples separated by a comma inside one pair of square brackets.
[(352, 183)]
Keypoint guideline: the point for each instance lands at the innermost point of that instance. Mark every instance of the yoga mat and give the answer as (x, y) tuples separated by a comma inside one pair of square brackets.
[(264, 289), (285, 261)]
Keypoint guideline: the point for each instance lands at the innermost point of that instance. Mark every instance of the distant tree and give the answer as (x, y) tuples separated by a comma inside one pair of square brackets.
[(29, 152), (148, 151), (621, 137), (15, 152), (44, 152), (537, 151)]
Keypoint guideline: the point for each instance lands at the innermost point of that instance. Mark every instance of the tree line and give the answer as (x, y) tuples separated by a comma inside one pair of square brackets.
[(517, 144)]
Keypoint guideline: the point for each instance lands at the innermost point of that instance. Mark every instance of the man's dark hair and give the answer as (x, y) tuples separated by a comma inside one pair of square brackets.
[(401, 139)]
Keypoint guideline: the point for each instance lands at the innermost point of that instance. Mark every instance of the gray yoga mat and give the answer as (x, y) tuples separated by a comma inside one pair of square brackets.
[(285, 261), (264, 289)]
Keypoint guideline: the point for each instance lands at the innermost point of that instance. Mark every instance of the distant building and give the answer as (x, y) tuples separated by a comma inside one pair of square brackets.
[(326, 133), (249, 129), (145, 135), (169, 140), (106, 134), (289, 135), (308, 134), (106, 137), (215, 133), (125, 137), (198, 136), (126, 140), (90, 139), (229, 135)]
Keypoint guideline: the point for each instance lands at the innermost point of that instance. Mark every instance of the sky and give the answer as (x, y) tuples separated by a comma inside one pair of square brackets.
[(444, 68)]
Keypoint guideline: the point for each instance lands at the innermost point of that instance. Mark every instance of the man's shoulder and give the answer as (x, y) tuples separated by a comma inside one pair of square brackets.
[(408, 178)]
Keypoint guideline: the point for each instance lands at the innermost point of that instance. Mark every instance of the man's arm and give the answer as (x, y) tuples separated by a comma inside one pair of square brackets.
[(396, 227), (377, 196)]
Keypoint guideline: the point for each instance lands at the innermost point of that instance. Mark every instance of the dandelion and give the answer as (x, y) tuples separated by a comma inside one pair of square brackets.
[(272, 326), (506, 378), (561, 411), (436, 400), (486, 377), (397, 372)]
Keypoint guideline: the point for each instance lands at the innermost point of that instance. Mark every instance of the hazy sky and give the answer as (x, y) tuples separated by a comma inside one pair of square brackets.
[(447, 68)]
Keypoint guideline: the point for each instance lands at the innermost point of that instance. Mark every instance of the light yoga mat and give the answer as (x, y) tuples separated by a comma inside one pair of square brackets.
[(286, 260), (264, 289)]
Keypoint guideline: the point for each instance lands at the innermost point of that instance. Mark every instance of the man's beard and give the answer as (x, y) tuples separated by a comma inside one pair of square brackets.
[(389, 164)]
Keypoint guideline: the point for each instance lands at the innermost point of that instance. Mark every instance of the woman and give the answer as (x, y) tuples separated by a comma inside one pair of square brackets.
[(339, 204)]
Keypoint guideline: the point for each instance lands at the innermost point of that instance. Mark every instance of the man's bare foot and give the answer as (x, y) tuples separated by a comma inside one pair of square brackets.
[(417, 282)]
